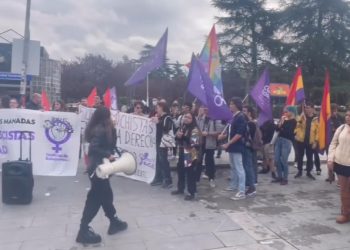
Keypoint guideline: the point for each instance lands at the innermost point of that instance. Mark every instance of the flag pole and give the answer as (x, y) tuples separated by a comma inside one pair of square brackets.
[(245, 98), (147, 90)]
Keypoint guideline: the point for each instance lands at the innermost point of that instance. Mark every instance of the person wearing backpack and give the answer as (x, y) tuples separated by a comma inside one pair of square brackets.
[(267, 130), (256, 135), (164, 129), (209, 133), (249, 154)]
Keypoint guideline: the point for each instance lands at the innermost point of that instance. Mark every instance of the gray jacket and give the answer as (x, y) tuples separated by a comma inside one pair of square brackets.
[(212, 127)]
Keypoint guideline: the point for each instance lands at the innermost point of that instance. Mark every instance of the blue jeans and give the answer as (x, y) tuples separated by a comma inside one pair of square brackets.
[(249, 167), (282, 150), (237, 172)]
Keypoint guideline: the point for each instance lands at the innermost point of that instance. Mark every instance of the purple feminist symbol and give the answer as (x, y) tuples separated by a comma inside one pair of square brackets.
[(58, 131)]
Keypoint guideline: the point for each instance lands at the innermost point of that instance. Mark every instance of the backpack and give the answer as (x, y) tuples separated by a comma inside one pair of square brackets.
[(257, 142), (168, 139)]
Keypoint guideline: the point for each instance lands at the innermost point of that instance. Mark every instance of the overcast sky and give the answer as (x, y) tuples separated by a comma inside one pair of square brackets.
[(71, 28)]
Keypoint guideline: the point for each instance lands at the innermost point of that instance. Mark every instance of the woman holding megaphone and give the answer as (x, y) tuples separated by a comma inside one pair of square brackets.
[(101, 136)]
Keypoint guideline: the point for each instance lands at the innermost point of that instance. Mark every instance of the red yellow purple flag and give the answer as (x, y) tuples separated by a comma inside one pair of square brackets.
[(296, 93), (324, 133)]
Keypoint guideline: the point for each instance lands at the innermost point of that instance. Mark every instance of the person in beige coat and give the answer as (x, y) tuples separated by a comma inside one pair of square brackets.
[(339, 162)]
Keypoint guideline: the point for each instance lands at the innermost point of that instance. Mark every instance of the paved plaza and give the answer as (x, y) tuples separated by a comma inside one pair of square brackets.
[(298, 216)]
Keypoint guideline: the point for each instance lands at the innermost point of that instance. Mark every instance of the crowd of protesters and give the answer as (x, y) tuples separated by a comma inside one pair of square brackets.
[(198, 137)]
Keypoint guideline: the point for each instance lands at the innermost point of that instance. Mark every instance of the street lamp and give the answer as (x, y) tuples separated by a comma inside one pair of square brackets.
[(26, 39)]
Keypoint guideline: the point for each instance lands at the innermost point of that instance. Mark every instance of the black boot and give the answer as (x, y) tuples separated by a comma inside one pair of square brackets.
[(87, 236), (298, 175), (156, 183), (189, 197), (116, 226), (264, 171), (177, 192)]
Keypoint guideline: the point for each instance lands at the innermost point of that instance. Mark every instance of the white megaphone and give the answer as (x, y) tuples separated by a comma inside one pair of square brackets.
[(125, 164)]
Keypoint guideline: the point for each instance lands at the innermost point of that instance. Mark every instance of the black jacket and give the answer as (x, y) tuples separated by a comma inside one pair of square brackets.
[(100, 147), (267, 130), (163, 126), (287, 129)]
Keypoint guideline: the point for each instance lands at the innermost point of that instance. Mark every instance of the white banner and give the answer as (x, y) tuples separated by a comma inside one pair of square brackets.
[(85, 114), (55, 138), (137, 135)]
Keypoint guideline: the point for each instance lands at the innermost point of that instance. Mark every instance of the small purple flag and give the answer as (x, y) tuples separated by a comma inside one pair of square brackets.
[(217, 108), (155, 60), (261, 95)]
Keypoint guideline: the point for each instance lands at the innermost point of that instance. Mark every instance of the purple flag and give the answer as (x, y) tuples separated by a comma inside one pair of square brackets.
[(195, 85), (154, 61), (217, 108), (261, 95)]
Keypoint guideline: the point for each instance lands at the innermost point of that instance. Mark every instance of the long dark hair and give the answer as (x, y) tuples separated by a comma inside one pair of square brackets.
[(63, 106), (101, 116), (192, 125)]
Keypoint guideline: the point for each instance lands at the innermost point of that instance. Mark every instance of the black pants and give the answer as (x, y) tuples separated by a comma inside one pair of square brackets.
[(186, 174), (317, 161), (295, 147), (219, 152), (303, 148), (210, 168), (99, 195), (162, 166)]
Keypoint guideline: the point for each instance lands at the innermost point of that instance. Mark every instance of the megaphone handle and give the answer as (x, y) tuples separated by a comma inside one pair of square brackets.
[(117, 151), (92, 175)]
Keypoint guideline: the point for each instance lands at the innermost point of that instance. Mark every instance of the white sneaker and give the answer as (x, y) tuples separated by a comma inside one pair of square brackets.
[(204, 176), (212, 184), (229, 189), (238, 196)]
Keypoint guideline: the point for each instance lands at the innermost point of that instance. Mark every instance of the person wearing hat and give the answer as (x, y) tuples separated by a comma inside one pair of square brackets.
[(283, 145), (306, 136)]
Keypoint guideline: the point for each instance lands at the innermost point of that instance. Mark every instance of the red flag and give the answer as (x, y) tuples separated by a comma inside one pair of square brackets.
[(107, 98), (324, 135), (91, 98), (45, 103)]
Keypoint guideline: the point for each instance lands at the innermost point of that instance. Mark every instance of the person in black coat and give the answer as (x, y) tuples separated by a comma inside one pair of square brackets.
[(164, 124), (101, 136)]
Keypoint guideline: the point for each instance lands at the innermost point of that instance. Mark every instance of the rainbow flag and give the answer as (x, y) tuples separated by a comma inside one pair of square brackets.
[(324, 132), (296, 93), (210, 59)]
